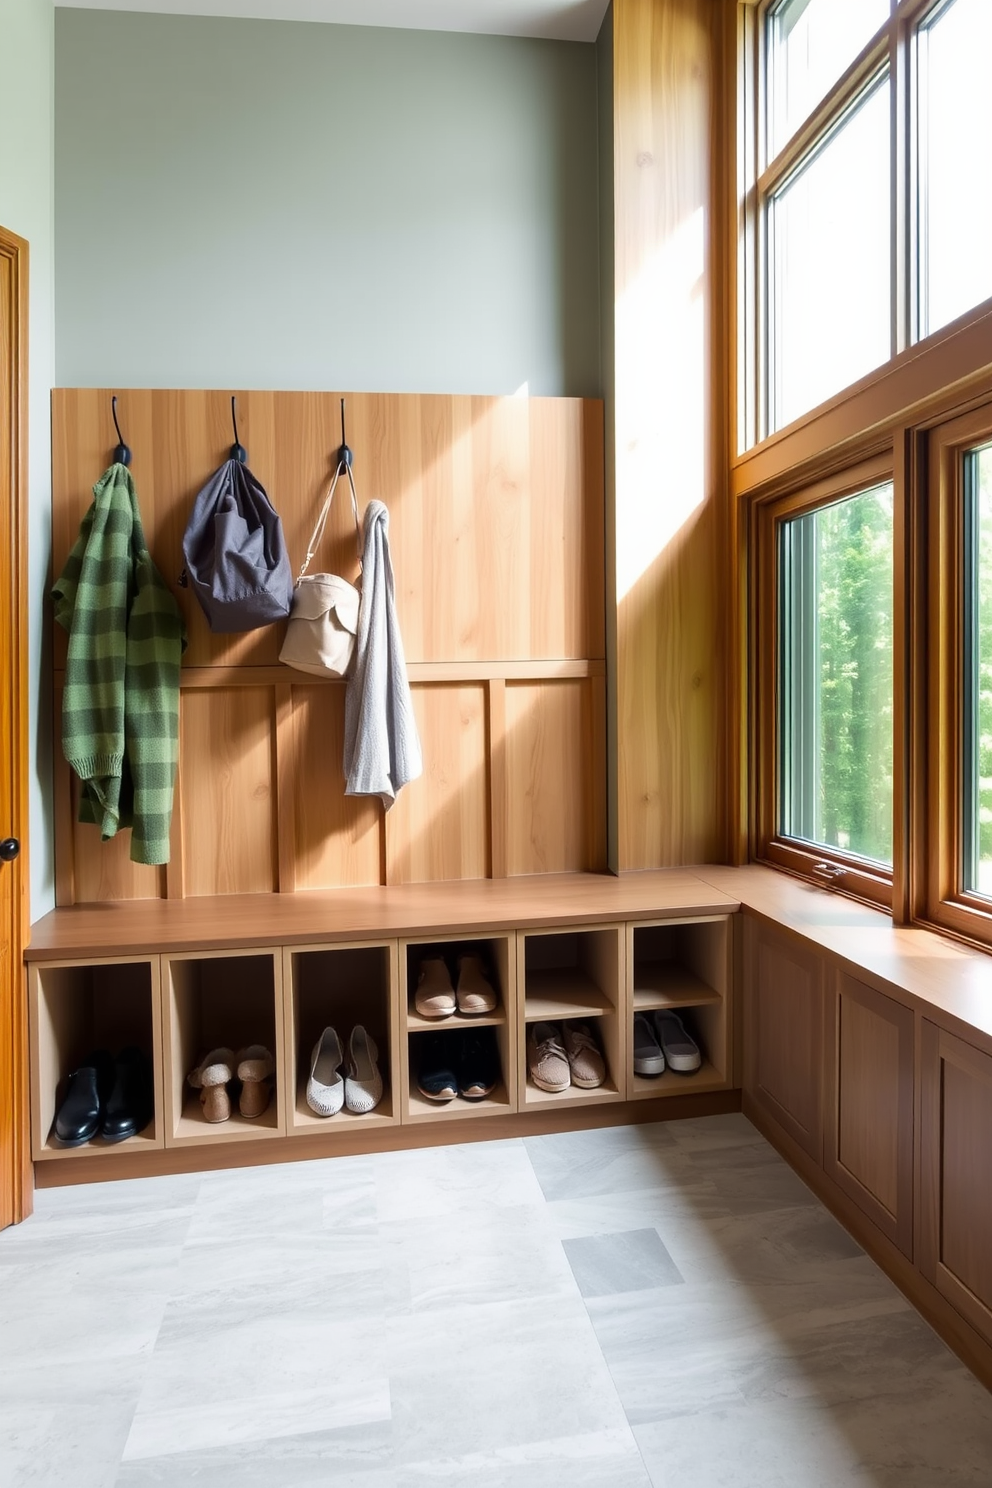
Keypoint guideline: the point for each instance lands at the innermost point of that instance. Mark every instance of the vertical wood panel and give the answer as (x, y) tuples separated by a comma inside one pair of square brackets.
[(671, 650), (228, 809), (956, 1167), (870, 1073), (439, 826), (783, 1040), (337, 836), (496, 531), (555, 780)]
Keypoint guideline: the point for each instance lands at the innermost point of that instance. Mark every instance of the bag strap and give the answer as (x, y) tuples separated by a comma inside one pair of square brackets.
[(318, 531)]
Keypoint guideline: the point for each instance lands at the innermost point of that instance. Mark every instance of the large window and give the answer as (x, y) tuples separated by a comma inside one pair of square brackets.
[(867, 222), (955, 146), (824, 628), (835, 676)]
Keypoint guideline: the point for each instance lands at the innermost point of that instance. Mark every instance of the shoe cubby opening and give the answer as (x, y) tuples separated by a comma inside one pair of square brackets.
[(339, 987), (491, 952), (76, 1009), (684, 967), (457, 1049), (216, 1001), (572, 978)]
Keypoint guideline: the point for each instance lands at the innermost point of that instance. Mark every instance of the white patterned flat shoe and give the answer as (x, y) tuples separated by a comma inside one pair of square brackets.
[(325, 1088), (363, 1082)]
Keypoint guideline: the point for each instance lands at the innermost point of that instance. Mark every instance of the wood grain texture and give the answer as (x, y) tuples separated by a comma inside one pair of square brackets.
[(434, 910), (555, 777), (496, 505), (438, 827), (337, 836), (869, 1104), (783, 1033), (228, 802), (496, 534), (672, 654), (15, 1142)]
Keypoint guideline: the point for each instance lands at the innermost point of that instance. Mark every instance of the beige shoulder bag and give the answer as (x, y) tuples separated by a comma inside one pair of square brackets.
[(323, 622)]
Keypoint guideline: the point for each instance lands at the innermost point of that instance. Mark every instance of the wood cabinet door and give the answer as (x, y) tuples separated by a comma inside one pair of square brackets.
[(956, 1174), (783, 1032), (868, 1104)]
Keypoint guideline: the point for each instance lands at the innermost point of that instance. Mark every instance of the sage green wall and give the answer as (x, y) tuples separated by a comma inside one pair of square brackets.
[(26, 175), (287, 205)]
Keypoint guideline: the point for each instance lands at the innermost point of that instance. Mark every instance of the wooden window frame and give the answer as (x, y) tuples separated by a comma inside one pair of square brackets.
[(892, 50), (823, 865), (939, 726)]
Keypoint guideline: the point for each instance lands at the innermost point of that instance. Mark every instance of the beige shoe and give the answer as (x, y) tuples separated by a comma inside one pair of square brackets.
[(210, 1078), (475, 992), (255, 1070), (435, 996), (586, 1064), (546, 1058)]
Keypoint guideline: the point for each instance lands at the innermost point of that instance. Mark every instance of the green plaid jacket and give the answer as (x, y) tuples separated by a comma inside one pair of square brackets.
[(120, 713)]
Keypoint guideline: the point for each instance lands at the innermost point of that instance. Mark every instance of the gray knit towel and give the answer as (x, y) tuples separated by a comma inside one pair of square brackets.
[(381, 742)]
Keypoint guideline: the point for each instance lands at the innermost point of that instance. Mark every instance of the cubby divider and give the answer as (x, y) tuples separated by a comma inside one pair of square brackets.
[(75, 1008), (340, 986), (685, 966), (215, 999), (573, 975)]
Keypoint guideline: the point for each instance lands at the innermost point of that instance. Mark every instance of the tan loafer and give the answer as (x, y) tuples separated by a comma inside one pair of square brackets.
[(435, 996), (586, 1064), (475, 993)]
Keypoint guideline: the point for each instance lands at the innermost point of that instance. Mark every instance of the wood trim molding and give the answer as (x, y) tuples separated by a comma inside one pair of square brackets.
[(15, 1141)]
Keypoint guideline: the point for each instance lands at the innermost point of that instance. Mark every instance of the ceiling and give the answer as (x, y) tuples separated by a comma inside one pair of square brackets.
[(564, 20)]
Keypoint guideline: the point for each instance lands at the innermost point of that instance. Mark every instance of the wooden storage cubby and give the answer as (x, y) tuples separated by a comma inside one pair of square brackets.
[(498, 952), (572, 975), (74, 1008), (212, 1000), (682, 965), (340, 986)]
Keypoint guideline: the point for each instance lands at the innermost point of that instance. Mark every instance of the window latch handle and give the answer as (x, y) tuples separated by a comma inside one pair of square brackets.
[(830, 871)]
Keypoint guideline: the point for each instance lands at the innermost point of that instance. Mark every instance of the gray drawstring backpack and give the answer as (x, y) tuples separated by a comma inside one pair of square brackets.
[(236, 554)]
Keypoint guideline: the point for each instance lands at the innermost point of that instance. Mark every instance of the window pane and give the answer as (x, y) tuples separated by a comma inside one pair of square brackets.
[(829, 262), (955, 157), (978, 673), (810, 45), (835, 675)]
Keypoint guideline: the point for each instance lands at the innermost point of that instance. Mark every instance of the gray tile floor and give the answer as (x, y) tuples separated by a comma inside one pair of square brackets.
[(645, 1307)]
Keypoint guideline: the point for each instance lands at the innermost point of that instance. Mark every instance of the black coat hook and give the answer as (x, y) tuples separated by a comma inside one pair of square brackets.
[(345, 457), (122, 455), (238, 451)]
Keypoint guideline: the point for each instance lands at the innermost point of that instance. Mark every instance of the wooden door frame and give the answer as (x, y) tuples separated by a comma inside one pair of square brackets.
[(16, 1175)]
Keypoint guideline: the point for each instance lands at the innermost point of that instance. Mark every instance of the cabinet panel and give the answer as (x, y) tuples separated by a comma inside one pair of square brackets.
[(957, 1174), (868, 1139), (783, 1010)]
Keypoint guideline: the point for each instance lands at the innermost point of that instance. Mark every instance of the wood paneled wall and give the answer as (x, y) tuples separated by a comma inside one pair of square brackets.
[(668, 414), (496, 533)]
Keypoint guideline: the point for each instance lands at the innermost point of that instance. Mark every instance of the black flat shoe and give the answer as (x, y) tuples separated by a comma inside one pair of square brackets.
[(77, 1119), (130, 1104), (478, 1064), (436, 1078)]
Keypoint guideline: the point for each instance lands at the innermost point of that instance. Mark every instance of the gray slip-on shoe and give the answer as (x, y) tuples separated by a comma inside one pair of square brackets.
[(679, 1047), (648, 1056)]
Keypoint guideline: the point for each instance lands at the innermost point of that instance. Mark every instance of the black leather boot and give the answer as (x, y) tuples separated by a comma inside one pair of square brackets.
[(77, 1119), (129, 1106)]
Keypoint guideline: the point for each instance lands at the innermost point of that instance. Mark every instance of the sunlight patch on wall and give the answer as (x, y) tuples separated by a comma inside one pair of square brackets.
[(661, 400)]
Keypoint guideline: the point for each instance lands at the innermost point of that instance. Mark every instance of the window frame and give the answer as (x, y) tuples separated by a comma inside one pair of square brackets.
[(940, 727), (847, 872), (892, 50)]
